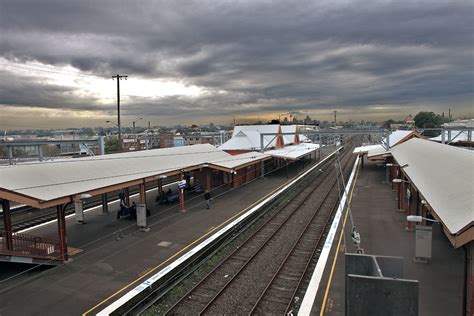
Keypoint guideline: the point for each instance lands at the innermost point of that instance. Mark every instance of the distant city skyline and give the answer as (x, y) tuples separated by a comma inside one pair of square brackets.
[(208, 61)]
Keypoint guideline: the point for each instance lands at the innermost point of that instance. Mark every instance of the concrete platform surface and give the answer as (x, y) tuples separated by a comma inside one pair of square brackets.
[(109, 256), (382, 231)]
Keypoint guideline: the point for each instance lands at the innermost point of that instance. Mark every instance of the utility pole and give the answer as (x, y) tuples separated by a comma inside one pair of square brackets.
[(119, 77)]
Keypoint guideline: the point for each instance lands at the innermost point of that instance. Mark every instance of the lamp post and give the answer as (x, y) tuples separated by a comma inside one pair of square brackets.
[(419, 219)]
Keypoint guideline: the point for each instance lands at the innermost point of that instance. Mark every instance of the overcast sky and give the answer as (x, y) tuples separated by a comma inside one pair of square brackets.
[(208, 61)]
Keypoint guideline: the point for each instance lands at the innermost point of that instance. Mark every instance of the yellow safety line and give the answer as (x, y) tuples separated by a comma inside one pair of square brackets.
[(186, 247), (323, 306)]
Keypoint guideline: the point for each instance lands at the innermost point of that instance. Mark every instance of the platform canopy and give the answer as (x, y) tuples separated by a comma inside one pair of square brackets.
[(293, 152), (398, 137), (457, 136), (51, 183), (395, 138), (365, 149), (444, 175), (248, 137)]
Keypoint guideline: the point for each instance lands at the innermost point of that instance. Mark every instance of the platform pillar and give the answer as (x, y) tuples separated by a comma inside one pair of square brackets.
[(160, 187), (105, 203), (469, 288), (10, 155), (40, 153), (409, 206), (142, 194), (61, 214), (7, 224), (79, 210), (208, 179), (126, 191)]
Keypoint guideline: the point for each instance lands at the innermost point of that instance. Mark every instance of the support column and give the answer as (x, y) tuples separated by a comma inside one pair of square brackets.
[(61, 214), (208, 179), (409, 199), (79, 210), (40, 153), (126, 191), (469, 301), (160, 187), (142, 191), (10, 155), (7, 224), (105, 204), (231, 182)]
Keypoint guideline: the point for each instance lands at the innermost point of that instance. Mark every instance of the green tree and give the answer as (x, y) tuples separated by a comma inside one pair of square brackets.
[(386, 124), (51, 150), (428, 120), (112, 145)]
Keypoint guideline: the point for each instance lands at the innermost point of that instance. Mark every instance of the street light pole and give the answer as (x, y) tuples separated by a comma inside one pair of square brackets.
[(119, 77)]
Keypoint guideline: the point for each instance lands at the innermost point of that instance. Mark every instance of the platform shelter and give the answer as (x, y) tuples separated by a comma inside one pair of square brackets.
[(59, 184)]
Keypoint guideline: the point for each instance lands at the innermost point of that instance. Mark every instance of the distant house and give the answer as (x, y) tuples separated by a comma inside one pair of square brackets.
[(409, 120), (166, 140)]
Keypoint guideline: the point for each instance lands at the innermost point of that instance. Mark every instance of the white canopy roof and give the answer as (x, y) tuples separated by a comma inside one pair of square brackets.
[(456, 136), (445, 177), (247, 137), (365, 149), (293, 152), (57, 179), (376, 149), (396, 136)]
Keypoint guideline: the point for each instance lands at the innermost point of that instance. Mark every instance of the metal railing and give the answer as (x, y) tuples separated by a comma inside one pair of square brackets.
[(30, 246)]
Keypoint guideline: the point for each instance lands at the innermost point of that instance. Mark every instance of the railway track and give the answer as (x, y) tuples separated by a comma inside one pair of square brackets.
[(264, 274)]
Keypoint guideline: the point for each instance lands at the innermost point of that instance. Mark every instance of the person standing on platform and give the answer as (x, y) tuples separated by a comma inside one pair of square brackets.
[(207, 197)]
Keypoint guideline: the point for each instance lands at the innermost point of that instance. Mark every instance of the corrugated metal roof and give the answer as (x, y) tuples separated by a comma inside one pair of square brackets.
[(445, 177), (49, 181), (247, 137), (294, 151), (396, 136)]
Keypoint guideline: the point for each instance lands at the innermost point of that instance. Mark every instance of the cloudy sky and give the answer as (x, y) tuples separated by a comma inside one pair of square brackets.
[(208, 61)]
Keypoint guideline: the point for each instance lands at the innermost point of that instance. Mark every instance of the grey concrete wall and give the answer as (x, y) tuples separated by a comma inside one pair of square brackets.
[(374, 286), (381, 296)]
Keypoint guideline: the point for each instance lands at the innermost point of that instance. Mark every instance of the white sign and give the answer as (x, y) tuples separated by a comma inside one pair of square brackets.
[(423, 242), (182, 184), (141, 215)]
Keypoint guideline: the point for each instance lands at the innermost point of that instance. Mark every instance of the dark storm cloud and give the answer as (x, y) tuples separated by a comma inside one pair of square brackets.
[(250, 56)]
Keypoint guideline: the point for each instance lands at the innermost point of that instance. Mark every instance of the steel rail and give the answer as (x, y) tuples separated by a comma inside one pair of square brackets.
[(245, 243), (297, 242), (221, 291)]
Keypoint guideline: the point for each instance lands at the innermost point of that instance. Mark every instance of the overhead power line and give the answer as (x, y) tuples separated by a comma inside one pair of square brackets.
[(50, 71)]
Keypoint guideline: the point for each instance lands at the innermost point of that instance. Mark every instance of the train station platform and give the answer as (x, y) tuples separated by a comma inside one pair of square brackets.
[(383, 232), (108, 257)]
